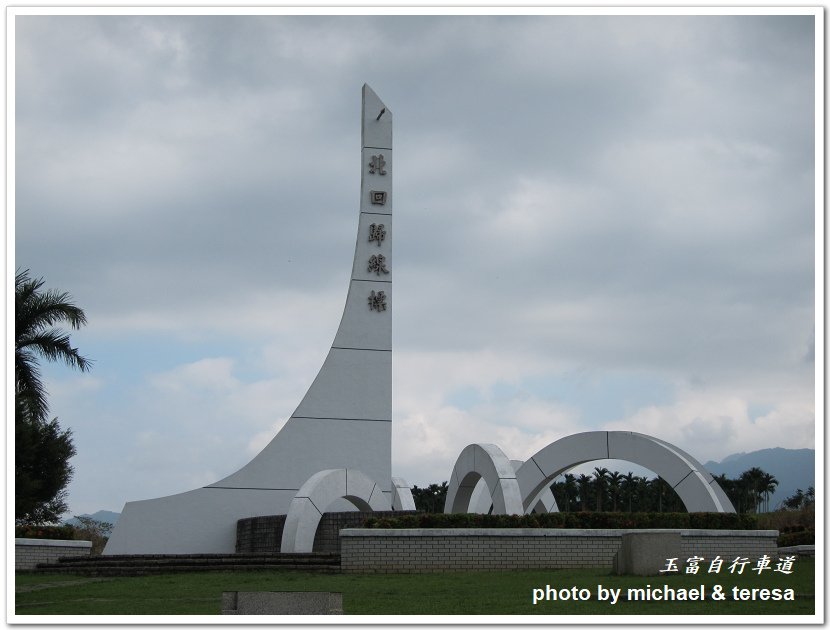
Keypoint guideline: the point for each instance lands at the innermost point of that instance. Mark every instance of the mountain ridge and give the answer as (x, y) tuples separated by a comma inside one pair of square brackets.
[(794, 468)]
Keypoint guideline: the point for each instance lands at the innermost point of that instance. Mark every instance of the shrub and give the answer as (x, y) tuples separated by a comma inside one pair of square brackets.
[(97, 532), (53, 532), (799, 537)]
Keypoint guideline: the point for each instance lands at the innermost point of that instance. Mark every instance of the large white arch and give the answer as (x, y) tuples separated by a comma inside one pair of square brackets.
[(487, 462), (316, 494), (694, 485)]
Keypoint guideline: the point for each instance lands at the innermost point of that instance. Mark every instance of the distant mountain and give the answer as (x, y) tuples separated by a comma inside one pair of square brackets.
[(793, 468), (101, 515)]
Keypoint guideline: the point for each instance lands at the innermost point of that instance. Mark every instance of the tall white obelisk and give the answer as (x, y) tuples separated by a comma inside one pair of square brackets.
[(345, 418)]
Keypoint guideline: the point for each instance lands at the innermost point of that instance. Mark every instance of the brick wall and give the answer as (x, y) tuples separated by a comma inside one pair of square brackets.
[(259, 534), (427, 550), (29, 552), (263, 534)]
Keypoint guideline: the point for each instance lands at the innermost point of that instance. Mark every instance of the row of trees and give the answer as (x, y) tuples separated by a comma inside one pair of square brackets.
[(801, 500), (612, 491)]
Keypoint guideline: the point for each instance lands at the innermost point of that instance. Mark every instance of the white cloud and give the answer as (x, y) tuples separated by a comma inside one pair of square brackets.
[(713, 424)]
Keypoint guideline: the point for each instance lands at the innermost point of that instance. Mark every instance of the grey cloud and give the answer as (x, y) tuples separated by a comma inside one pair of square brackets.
[(590, 191)]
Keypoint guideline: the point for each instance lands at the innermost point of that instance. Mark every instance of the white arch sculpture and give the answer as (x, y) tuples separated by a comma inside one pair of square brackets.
[(316, 494), (484, 462), (401, 495), (694, 485), (696, 488), (481, 503)]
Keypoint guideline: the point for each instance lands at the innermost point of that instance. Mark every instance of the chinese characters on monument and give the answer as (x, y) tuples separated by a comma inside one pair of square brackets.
[(377, 232), (378, 264), (377, 301)]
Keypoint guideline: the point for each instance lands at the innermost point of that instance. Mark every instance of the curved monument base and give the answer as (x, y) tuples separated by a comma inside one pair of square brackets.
[(198, 521)]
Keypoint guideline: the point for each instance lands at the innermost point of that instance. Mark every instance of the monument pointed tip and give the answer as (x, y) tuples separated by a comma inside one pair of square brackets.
[(370, 97), (377, 120)]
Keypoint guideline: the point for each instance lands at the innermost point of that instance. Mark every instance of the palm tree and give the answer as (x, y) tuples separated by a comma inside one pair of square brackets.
[(629, 487), (768, 485), (36, 314), (570, 489), (584, 483), (753, 484), (601, 479), (658, 489), (643, 494), (614, 479)]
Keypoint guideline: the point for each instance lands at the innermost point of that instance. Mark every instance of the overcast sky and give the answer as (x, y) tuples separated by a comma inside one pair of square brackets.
[(601, 223)]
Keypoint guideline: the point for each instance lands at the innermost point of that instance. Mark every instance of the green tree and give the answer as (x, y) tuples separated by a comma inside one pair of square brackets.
[(36, 312), (431, 498), (600, 484), (41, 470), (584, 484), (614, 481), (628, 486), (42, 449), (570, 491), (769, 483), (753, 484), (97, 532)]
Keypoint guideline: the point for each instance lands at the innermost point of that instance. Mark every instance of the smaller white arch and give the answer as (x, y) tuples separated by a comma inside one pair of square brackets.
[(402, 495), (484, 462), (480, 502), (316, 494)]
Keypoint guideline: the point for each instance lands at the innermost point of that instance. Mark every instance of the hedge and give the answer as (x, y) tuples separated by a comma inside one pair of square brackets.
[(570, 520), (54, 532), (796, 537)]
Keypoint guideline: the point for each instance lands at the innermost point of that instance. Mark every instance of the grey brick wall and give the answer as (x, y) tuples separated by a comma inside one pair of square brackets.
[(259, 534), (28, 553), (425, 550), (263, 534)]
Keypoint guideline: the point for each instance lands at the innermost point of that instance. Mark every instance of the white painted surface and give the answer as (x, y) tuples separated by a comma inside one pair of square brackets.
[(402, 495), (198, 521), (484, 462), (481, 501), (343, 421), (317, 495), (684, 473)]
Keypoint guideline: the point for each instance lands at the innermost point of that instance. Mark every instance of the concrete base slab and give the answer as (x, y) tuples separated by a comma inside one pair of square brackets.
[(281, 603), (647, 553)]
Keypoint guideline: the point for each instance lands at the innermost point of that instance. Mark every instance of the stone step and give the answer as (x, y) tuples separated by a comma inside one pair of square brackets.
[(158, 563), (136, 570), (192, 561), (209, 557)]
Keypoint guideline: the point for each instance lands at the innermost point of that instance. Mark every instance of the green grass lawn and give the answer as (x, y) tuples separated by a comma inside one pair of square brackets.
[(496, 593)]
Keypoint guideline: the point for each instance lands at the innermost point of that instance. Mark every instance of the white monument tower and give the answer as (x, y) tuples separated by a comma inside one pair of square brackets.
[(342, 425)]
